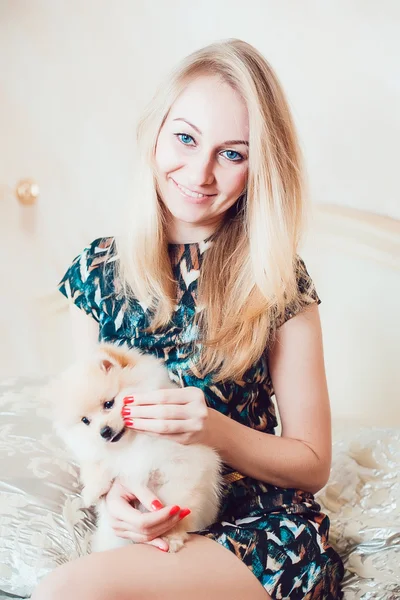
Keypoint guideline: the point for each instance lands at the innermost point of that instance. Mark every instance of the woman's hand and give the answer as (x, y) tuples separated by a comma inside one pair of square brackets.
[(148, 527), (179, 414)]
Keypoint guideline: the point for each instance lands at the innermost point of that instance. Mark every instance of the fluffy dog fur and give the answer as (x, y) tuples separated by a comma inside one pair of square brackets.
[(183, 475)]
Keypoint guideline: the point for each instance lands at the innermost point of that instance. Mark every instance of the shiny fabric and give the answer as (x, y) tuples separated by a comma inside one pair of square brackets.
[(362, 499), (43, 522)]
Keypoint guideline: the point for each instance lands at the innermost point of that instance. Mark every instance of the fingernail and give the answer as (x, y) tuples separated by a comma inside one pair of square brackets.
[(156, 505), (126, 412), (129, 400), (184, 513), (174, 511), (162, 549), (128, 422)]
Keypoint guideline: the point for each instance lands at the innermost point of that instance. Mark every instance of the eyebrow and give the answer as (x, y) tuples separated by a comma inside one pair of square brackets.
[(227, 143)]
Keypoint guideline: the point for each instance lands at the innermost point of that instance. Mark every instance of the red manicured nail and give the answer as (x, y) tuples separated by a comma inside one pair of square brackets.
[(129, 399), (156, 505), (126, 412), (128, 422), (174, 511), (184, 513)]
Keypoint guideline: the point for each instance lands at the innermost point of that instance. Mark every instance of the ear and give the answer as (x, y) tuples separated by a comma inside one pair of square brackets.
[(106, 364), (112, 356)]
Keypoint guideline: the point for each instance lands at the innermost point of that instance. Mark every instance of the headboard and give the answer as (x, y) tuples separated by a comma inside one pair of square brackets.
[(354, 259)]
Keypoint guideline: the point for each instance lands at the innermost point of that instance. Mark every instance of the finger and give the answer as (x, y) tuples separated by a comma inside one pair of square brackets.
[(157, 528), (126, 518), (147, 534), (128, 534), (117, 524), (157, 542), (148, 498), (157, 411), (160, 519), (120, 500), (140, 521), (164, 426), (153, 529), (164, 529), (166, 396), (121, 510), (118, 491), (176, 514)]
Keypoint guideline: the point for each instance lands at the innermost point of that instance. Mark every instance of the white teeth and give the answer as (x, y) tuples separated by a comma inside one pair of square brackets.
[(190, 193)]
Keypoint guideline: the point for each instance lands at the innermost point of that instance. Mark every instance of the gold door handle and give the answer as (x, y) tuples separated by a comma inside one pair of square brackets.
[(27, 191)]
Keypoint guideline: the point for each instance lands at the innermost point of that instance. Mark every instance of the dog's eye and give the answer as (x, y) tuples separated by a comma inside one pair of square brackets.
[(109, 404), (85, 420)]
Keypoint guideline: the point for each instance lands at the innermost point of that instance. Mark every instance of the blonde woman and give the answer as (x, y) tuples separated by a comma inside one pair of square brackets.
[(208, 279)]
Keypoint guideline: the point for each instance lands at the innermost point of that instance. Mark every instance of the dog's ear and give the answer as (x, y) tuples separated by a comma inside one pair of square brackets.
[(106, 364), (111, 357)]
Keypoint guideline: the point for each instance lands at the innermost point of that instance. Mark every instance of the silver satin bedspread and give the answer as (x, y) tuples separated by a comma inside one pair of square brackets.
[(43, 524)]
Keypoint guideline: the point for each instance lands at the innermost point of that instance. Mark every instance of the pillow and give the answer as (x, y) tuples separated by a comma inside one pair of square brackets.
[(42, 521)]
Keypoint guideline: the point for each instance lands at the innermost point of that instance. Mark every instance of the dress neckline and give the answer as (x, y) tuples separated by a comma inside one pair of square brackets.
[(173, 245)]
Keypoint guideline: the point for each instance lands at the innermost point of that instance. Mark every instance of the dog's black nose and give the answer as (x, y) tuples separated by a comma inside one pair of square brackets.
[(106, 432)]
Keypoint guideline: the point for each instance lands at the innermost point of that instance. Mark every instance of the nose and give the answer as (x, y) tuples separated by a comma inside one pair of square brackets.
[(106, 432), (201, 171)]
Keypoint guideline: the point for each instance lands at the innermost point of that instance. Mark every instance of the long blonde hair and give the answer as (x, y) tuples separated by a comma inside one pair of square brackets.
[(248, 274)]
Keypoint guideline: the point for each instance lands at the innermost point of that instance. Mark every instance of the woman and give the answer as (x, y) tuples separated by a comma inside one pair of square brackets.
[(208, 279)]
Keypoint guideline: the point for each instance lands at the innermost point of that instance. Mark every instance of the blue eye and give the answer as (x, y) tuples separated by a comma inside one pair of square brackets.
[(184, 138), (85, 420), (232, 158), (109, 404)]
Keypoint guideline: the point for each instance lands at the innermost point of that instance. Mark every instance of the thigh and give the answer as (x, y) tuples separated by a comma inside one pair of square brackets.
[(202, 569)]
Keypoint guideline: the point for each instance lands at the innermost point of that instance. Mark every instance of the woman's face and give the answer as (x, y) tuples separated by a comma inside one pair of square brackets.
[(202, 158)]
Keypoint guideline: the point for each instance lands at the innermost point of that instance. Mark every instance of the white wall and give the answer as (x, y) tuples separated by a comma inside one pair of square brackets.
[(74, 75)]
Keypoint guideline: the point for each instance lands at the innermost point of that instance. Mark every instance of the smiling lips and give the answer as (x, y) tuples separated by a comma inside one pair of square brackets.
[(191, 194)]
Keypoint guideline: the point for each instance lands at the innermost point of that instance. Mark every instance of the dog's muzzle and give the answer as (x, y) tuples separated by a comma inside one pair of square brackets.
[(109, 434)]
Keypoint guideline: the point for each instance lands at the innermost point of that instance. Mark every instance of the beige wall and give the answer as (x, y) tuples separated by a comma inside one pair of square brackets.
[(74, 76)]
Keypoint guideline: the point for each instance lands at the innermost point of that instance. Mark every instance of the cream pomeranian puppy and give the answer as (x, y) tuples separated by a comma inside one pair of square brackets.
[(87, 415)]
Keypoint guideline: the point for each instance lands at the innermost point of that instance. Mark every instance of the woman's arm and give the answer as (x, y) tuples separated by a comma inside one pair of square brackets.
[(301, 457)]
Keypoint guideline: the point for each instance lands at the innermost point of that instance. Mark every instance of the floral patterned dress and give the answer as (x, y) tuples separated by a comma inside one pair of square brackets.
[(280, 534)]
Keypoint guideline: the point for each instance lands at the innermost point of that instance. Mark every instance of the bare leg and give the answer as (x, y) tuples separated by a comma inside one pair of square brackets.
[(202, 569)]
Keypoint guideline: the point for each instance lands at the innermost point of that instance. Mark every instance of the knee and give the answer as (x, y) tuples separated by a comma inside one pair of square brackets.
[(61, 584), (53, 586)]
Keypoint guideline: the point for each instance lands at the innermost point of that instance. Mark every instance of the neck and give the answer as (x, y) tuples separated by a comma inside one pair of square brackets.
[(187, 234)]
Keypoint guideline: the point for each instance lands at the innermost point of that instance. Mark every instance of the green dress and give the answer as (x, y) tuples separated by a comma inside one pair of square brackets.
[(279, 533)]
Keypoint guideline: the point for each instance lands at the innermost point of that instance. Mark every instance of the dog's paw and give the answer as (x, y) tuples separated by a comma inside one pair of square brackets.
[(175, 545), (175, 541)]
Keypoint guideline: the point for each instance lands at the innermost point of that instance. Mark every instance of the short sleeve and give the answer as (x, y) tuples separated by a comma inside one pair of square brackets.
[(84, 281), (307, 294)]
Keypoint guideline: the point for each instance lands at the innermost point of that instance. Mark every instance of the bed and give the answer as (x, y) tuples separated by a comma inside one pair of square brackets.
[(353, 257)]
